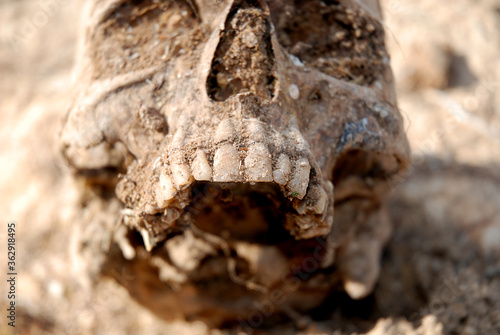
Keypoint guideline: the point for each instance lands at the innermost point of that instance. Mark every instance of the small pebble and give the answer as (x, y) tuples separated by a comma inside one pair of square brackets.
[(294, 92), (249, 39)]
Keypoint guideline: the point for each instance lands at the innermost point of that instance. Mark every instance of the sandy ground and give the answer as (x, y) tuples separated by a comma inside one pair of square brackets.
[(441, 270)]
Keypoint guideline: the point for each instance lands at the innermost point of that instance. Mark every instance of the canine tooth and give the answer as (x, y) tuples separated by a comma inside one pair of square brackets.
[(321, 201), (182, 175), (300, 181), (283, 170), (165, 191), (258, 163), (147, 239), (200, 166), (226, 164), (120, 236), (225, 131)]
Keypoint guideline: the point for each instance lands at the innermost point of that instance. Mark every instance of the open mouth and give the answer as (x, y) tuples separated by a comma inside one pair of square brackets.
[(265, 212), (249, 167), (231, 242), (240, 212)]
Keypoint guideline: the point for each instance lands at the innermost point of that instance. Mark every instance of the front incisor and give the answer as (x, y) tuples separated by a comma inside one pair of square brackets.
[(226, 164), (258, 165)]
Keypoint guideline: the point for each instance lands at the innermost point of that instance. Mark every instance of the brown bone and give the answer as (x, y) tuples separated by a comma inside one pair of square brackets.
[(241, 126)]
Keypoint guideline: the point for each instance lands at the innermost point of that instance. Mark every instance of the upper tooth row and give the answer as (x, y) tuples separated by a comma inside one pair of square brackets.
[(226, 168)]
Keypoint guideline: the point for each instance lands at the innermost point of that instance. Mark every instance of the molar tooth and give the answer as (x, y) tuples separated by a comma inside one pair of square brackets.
[(225, 131), (283, 170), (164, 191), (258, 163), (200, 166), (300, 180), (182, 175), (226, 164)]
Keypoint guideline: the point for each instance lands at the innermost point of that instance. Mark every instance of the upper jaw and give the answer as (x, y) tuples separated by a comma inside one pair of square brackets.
[(236, 149)]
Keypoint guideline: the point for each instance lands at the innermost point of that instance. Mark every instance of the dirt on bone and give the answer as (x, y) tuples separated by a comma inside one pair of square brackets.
[(240, 131), (440, 269), (337, 40), (243, 61)]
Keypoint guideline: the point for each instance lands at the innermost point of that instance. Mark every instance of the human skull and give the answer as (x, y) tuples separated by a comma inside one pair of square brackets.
[(239, 127)]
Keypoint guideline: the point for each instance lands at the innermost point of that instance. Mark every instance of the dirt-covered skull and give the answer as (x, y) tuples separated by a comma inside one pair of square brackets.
[(238, 129)]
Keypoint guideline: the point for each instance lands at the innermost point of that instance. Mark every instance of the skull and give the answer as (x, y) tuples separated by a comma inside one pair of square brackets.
[(237, 127)]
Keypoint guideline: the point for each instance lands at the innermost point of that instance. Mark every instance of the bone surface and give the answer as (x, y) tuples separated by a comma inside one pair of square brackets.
[(230, 129)]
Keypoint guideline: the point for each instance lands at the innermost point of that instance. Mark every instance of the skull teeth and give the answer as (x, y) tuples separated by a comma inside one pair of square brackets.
[(300, 178), (283, 170), (258, 164), (181, 175), (201, 167), (256, 156), (321, 200), (226, 164), (165, 191)]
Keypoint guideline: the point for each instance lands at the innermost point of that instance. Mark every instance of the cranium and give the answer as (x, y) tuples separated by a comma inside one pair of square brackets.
[(240, 127)]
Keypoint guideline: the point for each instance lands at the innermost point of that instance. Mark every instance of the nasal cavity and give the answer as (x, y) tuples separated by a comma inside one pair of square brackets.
[(244, 60)]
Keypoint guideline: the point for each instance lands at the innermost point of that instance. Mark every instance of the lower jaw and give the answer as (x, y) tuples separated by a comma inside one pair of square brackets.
[(229, 252)]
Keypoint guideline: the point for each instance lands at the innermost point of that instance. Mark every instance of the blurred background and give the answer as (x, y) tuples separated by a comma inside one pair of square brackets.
[(441, 270)]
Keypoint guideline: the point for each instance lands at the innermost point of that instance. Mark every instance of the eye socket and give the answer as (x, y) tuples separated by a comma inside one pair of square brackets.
[(142, 33), (341, 42)]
